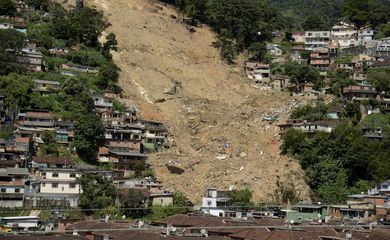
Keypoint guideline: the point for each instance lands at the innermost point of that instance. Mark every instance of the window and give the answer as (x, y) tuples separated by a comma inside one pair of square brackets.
[(208, 203), (17, 190), (43, 184), (72, 185), (54, 185), (3, 190), (55, 174), (43, 174), (72, 175)]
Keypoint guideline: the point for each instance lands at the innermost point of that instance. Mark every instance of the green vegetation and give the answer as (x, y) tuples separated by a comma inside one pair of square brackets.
[(380, 79), (10, 41), (241, 199), (180, 205), (301, 11), (361, 12), (239, 23), (340, 162), (98, 192), (134, 202), (89, 136), (7, 7), (307, 112)]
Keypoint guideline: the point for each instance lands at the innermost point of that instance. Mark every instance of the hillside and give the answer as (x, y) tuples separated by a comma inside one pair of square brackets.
[(300, 9), (174, 75)]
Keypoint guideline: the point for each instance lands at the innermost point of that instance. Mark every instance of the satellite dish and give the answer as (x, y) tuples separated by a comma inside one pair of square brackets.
[(292, 222)]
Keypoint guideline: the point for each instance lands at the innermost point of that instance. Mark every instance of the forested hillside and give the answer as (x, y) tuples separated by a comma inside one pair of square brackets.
[(299, 10)]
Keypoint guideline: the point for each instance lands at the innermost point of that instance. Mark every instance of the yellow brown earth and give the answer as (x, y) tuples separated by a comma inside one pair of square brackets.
[(176, 76)]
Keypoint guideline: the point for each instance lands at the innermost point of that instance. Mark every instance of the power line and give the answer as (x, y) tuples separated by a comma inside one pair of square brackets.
[(159, 228), (136, 208)]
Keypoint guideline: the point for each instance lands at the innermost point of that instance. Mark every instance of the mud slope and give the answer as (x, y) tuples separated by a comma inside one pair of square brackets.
[(177, 77)]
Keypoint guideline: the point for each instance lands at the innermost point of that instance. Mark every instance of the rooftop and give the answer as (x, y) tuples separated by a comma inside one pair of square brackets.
[(54, 160)]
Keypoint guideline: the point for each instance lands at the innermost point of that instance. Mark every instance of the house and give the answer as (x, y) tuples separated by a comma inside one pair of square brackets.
[(116, 118), (334, 48), (31, 58), (259, 72), (41, 163), (359, 92), (12, 182), (307, 212), (161, 198), (44, 87), (381, 189), (315, 39), (79, 68), (345, 34), (32, 123), (126, 160), (154, 134), (19, 149), (382, 49), (362, 212), (320, 58), (64, 132), (373, 134), (365, 34), (377, 200), (55, 51), (4, 25), (274, 50), (20, 222), (102, 103), (54, 187), (34, 119), (215, 202), (298, 37), (148, 184), (309, 127), (280, 82), (334, 111)]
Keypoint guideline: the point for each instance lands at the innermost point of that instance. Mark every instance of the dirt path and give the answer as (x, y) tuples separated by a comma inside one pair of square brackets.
[(177, 77)]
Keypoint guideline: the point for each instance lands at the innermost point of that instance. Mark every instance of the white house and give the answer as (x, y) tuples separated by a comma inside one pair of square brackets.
[(215, 202), (20, 221), (381, 189), (6, 26), (365, 35), (345, 34), (60, 181), (56, 187), (315, 39)]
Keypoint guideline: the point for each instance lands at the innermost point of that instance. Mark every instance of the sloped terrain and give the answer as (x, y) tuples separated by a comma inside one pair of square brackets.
[(174, 75)]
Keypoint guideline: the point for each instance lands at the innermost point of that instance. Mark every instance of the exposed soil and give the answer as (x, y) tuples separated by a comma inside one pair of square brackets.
[(177, 77)]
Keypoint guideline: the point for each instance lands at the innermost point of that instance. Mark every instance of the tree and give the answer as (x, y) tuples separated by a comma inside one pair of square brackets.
[(138, 168), (133, 201), (89, 136), (50, 146), (352, 111), (241, 198), (8, 8), (111, 43), (181, 202), (10, 39), (258, 51), (98, 192), (293, 141), (17, 90), (108, 75), (316, 23)]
